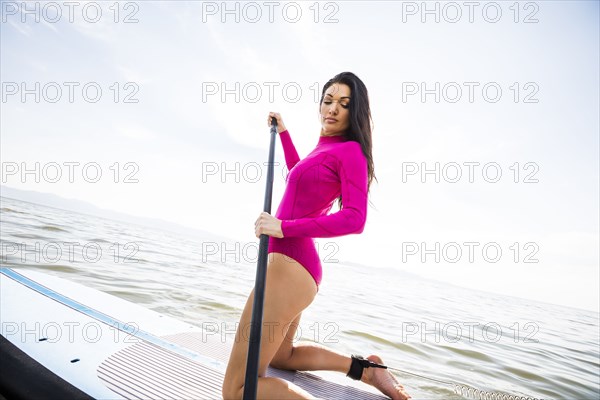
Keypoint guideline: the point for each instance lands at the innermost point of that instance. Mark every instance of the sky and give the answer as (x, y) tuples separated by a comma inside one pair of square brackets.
[(485, 139)]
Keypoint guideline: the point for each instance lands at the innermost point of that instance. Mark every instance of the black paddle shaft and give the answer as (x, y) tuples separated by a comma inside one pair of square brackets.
[(251, 382)]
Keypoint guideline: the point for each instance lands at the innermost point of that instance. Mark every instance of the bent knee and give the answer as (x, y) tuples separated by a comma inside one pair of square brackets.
[(279, 364), (282, 362)]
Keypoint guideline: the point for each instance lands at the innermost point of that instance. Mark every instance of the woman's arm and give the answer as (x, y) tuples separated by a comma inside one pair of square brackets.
[(353, 215), (289, 150)]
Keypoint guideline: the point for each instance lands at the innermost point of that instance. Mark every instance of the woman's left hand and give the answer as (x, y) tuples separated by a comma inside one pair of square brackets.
[(268, 224)]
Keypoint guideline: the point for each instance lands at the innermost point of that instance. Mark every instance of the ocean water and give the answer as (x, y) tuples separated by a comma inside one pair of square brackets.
[(434, 332)]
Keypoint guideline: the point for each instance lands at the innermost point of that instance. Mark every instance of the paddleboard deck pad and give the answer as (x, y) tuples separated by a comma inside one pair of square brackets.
[(66, 340)]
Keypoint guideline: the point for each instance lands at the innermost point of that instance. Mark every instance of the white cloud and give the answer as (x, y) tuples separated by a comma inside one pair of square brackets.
[(23, 29), (137, 132)]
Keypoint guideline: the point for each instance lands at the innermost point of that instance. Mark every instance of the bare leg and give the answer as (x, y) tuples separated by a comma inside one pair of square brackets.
[(314, 357), (289, 290)]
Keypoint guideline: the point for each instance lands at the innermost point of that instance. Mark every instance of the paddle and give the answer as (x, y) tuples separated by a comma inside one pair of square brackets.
[(251, 381)]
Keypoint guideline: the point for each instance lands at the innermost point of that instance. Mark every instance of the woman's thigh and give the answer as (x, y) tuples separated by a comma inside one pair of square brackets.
[(289, 289)]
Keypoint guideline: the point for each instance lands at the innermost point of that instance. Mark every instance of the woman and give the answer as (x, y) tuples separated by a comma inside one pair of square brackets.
[(340, 166)]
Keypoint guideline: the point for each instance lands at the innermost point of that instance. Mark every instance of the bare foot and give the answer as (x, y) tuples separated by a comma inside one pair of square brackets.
[(383, 380)]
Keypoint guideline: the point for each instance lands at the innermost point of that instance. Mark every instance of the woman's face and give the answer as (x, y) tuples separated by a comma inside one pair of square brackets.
[(335, 110)]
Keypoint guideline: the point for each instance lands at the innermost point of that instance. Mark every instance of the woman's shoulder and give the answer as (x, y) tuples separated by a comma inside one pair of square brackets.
[(348, 153), (350, 148)]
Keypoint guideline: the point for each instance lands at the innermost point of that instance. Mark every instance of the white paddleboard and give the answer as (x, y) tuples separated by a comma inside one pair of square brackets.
[(109, 348)]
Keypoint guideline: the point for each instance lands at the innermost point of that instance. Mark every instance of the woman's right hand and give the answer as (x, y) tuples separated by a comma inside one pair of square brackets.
[(280, 124)]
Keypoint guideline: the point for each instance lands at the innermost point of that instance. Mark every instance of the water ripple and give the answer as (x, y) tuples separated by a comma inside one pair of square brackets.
[(173, 277)]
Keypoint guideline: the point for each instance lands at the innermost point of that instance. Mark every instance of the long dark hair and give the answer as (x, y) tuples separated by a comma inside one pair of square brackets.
[(360, 129)]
